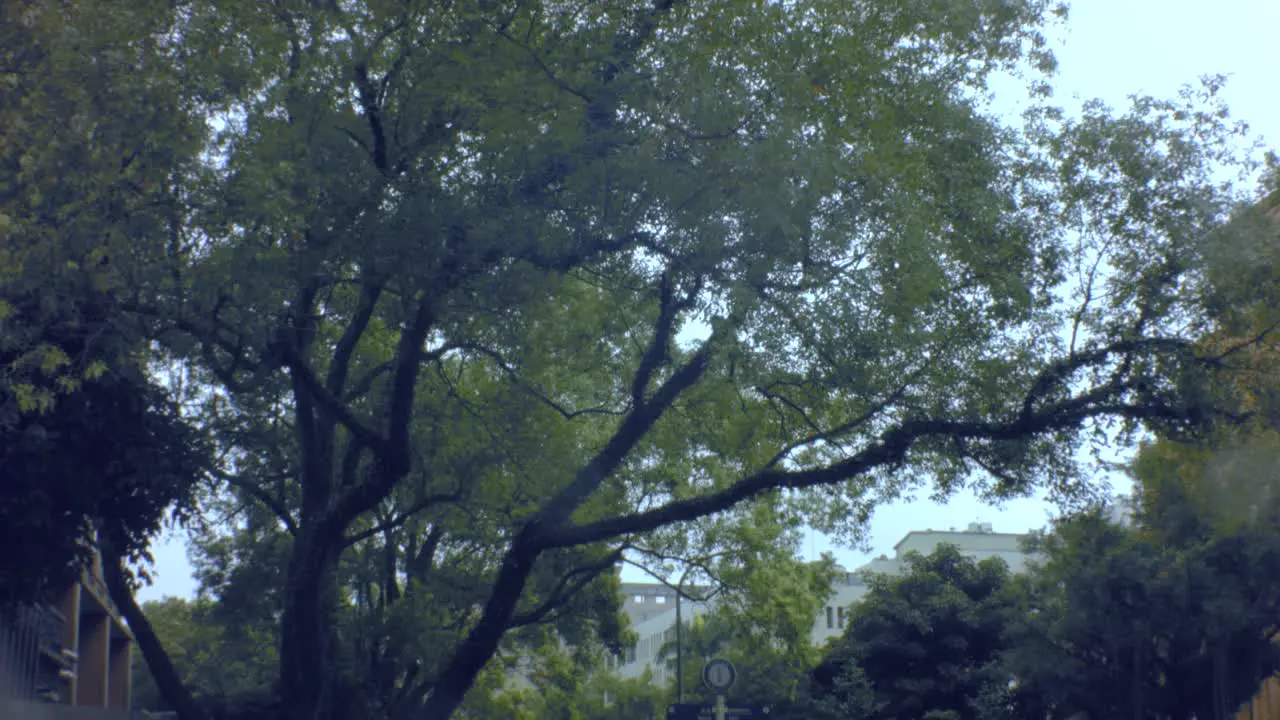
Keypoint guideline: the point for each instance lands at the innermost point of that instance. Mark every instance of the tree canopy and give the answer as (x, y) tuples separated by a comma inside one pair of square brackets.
[(499, 292), (88, 442), (926, 644), (1129, 623)]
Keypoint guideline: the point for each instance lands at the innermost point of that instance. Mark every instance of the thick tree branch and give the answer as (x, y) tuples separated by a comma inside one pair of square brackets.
[(843, 428), (336, 382), (570, 584), (367, 94), (480, 644), (394, 459), (423, 561), (364, 384), (655, 355), (1055, 374), (459, 673), (311, 385), (1254, 340), (891, 448), (638, 422), (294, 345)]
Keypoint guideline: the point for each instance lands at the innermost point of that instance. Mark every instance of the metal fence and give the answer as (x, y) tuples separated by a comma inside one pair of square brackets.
[(18, 710), (30, 646)]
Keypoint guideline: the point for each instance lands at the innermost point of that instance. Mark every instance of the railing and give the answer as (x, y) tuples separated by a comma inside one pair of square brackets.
[(91, 578), (19, 710), (30, 650)]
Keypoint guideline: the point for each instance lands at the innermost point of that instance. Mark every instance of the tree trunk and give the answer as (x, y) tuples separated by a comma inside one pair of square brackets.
[(482, 642), (307, 667), (166, 676)]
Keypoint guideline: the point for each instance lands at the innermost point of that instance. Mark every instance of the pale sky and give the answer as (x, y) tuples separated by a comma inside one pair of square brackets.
[(1109, 49)]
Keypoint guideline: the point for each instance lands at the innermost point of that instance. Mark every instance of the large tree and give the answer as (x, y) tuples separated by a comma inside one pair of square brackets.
[(514, 286)]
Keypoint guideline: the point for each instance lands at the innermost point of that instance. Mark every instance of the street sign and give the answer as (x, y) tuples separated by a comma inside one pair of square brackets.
[(718, 675), (693, 711)]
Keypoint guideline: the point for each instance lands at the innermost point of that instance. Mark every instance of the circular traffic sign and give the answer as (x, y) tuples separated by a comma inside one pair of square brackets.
[(718, 675)]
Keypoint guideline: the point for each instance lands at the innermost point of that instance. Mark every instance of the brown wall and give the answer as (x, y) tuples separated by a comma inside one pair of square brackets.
[(120, 673), (95, 646), (1265, 705)]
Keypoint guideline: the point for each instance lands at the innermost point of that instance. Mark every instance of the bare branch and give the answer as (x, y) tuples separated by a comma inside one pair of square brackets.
[(272, 503), (546, 70), (776, 397), (841, 429), (421, 505), (701, 563), (514, 375)]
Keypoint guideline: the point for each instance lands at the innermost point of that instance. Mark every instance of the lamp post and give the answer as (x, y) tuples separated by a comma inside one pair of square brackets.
[(680, 640)]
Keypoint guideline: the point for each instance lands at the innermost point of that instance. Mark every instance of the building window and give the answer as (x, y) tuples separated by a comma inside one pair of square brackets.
[(830, 618), (638, 598), (661, 599), (841, 615)]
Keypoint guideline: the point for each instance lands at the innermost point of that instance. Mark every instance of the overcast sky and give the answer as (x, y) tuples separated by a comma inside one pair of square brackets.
[(1109, 49)]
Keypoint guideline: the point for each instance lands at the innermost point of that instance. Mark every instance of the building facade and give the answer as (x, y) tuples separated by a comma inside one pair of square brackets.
[(75, 651), (652, 606)]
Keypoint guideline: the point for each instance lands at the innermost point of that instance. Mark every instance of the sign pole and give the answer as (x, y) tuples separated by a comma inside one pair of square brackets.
[(718, 675)]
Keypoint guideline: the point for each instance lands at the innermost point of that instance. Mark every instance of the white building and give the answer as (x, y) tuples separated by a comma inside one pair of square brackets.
[(652, 606)]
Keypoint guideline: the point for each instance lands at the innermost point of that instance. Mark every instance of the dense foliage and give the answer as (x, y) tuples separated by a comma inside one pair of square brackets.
[(1114, 622), (111, 458), (228, 663), (760, 619), (926, 644), (1121, 623), (87, 440), (476, 299)]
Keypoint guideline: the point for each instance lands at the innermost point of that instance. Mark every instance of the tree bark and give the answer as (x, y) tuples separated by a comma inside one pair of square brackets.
[(482, 642), (307, 673)]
